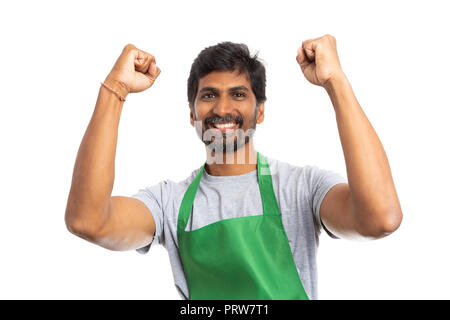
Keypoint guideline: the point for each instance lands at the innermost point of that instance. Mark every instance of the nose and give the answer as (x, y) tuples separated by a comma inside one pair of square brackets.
[(223, 106)]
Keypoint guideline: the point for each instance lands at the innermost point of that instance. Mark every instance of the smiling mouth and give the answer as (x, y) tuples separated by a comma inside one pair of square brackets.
[(224, 126)]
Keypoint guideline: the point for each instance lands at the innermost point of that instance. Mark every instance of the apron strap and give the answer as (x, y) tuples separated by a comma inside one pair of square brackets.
[(269, 201), (188, 202)]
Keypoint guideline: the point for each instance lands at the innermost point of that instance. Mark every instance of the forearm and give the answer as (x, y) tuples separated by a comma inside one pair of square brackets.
[(373, 193), (93, 175)]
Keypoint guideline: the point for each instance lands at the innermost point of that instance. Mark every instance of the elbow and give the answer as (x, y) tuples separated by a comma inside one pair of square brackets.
[(393, 221), (387, 223), (77, 226), (73, 225), (393, 217)]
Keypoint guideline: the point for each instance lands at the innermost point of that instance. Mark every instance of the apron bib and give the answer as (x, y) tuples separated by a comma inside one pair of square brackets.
[(245, 258)]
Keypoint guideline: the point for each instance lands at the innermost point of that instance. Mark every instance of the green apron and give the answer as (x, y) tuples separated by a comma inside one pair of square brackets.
[(245, 258)]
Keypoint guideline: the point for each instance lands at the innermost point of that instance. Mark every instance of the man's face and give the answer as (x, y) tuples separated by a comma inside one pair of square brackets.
[(225, 112)]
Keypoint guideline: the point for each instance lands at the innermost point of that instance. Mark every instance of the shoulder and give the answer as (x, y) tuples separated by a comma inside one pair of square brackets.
[(182, 185), (175, 189), (308, 177), (283, 170), (167, 190), (290, 181)]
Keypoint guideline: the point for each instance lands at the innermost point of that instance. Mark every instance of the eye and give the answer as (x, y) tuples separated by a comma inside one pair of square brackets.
[(208, 95), (239, 94)]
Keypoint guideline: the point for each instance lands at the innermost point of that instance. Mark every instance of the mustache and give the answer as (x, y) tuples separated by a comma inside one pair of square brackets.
[(228, 118)]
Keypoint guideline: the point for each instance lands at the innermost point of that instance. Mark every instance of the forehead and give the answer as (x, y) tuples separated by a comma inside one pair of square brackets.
[(224, 79)]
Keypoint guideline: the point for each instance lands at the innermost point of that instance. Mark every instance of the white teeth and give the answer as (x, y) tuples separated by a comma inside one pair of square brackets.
[(224, 125)]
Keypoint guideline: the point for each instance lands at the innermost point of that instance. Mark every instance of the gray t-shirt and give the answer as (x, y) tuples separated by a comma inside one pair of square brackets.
[(299, 191)]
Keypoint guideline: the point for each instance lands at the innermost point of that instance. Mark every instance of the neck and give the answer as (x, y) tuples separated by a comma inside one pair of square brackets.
[(235, 163)]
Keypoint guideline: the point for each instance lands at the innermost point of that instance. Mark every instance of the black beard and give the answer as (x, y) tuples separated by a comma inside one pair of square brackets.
[(225, 144)]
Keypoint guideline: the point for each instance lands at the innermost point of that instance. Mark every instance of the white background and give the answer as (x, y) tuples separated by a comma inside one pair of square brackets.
[(54, 55)]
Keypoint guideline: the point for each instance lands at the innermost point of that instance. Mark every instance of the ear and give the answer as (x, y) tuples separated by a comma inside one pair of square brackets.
[(191, 115), (260, 116)]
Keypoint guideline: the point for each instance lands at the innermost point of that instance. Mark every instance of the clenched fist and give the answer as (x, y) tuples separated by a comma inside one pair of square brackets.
[(134, 71), (319, 60)]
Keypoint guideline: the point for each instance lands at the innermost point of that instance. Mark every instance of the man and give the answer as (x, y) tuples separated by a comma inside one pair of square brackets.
[(243, 225)]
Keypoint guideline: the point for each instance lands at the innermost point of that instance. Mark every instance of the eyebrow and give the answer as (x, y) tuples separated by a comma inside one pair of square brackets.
[(230, 89)]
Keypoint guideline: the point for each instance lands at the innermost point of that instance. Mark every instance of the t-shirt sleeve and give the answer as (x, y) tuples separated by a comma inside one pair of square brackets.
[(155, 198), (320, 182)]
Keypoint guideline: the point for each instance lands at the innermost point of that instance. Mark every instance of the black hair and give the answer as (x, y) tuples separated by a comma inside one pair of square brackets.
[(228, 56)]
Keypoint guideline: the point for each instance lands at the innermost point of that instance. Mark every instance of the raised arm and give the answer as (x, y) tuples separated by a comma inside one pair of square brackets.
[(116, 223), (368, 206)]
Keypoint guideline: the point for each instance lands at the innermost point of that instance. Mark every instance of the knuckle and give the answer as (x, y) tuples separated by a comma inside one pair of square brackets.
[(147, 56), (129, 46), (329, 37)]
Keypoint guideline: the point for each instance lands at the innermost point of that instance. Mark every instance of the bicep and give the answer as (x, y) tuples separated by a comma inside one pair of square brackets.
[(129, 225), (336, 212)]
